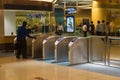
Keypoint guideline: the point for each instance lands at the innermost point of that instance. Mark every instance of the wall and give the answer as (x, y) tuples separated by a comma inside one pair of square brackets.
[(9, 22), (108, 11), (98, 12), (1, 22)]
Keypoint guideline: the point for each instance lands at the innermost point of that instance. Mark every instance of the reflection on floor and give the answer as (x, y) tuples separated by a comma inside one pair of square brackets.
[(13, 69), (6, 53), (99, 69), (96, 67)]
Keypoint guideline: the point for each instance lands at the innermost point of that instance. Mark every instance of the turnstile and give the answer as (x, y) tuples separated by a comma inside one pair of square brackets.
[(29, 46), (37, 46), (79, 50), (98, 49), (49, 47), (61, 48), (113, 56), (15, 43)]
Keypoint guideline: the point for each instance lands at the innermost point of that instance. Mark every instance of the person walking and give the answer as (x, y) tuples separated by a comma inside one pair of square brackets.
[(21, 41)]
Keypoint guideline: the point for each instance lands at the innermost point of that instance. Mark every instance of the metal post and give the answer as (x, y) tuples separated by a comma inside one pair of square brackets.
[(109, 45)]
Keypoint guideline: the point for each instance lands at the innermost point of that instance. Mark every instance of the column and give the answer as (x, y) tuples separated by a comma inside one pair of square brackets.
[(99, 11), (1, 18)]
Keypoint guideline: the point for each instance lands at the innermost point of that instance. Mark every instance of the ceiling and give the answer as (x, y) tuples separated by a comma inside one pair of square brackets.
[(83, 4), (44, 0)]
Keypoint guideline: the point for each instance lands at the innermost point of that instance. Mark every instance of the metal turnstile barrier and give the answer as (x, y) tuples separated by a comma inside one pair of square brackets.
[(61, 48), (15, 42), (49, 47), (29, 46), (79, 50), (98, 49), (113, 56), (37, 46)]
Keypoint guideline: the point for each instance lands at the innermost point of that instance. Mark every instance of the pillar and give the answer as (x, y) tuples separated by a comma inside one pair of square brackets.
[(99, 11), (1, 18)]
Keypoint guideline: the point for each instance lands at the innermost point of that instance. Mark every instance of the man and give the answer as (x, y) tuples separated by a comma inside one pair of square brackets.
[(84, 29), (103, 27), (92, 28), (21, 41), (98, 28), (60, 29)]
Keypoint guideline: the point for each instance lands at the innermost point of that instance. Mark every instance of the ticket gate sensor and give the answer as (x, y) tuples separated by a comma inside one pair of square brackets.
[(79, 50), (49, 47), (37, 46), (98, 50), (61, 48)]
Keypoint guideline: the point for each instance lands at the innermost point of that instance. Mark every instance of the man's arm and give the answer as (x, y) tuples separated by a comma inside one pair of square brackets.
[(28, 35)]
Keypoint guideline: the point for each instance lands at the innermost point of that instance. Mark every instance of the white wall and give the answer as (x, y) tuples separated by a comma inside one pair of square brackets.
[(9, 23)]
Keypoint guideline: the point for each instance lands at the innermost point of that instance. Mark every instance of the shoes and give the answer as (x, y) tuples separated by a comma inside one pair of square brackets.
[(25, 57), (17, 57), (22, 57)]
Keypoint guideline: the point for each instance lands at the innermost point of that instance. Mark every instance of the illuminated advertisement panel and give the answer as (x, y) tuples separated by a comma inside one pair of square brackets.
[(70, 24)]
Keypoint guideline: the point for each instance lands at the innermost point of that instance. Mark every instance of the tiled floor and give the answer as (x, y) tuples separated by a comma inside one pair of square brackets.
[(13, 69)]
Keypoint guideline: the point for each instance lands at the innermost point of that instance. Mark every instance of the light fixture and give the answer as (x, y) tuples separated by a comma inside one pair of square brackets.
[(43, 0)]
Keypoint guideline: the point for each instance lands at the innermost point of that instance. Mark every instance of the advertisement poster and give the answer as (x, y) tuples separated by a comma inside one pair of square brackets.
[(70, 24)]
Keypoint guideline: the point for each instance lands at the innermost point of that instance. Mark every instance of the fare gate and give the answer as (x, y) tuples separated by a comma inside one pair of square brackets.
[(98, 50), (79, 50), (37, 46), (61, 48), (113, 56), (49, 47)]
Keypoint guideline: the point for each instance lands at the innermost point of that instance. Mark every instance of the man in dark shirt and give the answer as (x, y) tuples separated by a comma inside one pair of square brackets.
[(92, 28), (21, 41)]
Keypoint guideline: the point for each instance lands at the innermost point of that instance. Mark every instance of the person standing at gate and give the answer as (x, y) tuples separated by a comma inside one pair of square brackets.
[(98, 28), (92, 28), (103, 27), (84, 29), (60, 29), (107, 28), (21, 41)]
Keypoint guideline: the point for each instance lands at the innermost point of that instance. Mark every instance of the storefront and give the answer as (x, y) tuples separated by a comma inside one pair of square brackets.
[(14, 12)]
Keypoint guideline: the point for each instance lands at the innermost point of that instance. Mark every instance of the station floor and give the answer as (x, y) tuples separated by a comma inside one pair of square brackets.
[(31, 69)]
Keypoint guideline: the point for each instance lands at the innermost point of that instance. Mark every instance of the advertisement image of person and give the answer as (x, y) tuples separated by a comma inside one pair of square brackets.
[(69, 25)]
